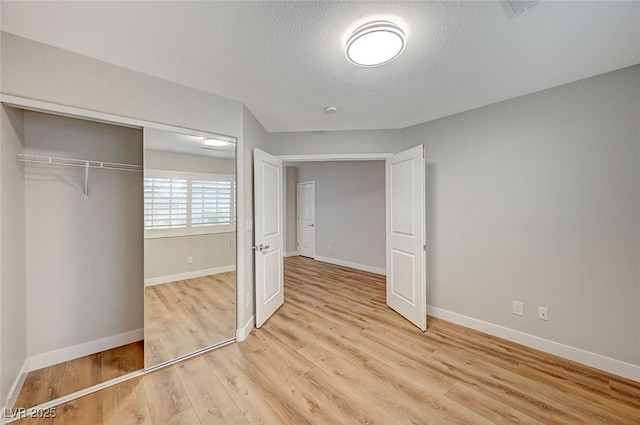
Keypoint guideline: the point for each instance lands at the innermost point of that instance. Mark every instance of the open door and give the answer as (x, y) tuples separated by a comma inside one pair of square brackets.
[(406, 249), (269, 241)]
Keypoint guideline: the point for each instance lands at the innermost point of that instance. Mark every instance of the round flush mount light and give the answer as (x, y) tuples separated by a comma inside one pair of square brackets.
[(375, 43), (331, 109)]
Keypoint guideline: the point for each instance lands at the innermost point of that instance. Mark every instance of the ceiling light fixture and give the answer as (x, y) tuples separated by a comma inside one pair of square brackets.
[(215, 143), (331, 109), (375, 43)]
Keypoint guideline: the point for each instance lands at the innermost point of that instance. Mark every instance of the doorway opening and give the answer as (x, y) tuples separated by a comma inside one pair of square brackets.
[(401, 256)]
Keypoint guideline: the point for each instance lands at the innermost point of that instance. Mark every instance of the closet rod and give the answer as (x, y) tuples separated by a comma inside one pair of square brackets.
[(72, 162)]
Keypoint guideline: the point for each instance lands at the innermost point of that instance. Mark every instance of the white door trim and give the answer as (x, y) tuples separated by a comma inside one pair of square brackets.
[(335, 157), (97, 116)]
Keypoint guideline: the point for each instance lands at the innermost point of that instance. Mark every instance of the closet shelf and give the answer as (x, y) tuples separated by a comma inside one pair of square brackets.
[(51, 160), (84, 163)]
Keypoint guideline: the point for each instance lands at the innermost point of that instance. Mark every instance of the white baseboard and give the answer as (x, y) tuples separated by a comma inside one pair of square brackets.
[(75, 351), (597, 361), (291, 254), (363, 267), (243, 333), (188, 275), (17, 385)]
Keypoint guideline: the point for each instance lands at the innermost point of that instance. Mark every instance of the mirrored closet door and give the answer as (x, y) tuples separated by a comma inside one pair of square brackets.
[(189, 244)]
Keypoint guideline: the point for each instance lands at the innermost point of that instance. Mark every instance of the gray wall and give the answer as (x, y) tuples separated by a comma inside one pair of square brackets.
[(162, 160), (537, 199), (168, 255), (84, 258), (13, 287), (350, 210), (320, 142), (291, 176), (38, 71), (254, 136)]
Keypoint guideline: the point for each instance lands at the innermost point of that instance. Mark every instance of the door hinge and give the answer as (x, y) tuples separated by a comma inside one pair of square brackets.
[(424, 247)]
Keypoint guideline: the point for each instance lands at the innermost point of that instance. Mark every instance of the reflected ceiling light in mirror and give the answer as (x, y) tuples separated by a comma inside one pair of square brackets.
[(375, 43), (216, 143)]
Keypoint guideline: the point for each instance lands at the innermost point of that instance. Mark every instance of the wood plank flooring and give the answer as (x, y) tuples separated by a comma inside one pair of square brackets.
[(55, 381), (187, 315), (335, 354)]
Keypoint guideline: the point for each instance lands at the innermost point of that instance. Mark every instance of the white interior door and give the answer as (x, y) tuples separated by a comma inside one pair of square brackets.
[(306, 214), (406, 250), (269, 240)]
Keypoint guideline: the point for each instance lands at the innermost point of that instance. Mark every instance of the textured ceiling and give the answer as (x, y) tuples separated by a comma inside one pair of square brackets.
[(285, 60)]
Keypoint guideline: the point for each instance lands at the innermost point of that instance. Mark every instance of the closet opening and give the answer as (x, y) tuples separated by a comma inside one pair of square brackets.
[(110, 224), (75, 187)]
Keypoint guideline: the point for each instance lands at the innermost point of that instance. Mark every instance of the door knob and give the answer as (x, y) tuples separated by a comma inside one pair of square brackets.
[(261, 248), (311, 225)]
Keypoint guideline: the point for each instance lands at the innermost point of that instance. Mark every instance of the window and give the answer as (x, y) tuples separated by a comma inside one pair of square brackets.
[(180, 204), (165, 203)]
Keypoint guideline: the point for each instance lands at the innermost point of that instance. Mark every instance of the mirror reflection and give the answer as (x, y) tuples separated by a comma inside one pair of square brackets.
[(190, 244)]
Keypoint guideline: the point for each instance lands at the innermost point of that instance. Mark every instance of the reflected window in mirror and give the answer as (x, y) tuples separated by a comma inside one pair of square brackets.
[(182, 204)]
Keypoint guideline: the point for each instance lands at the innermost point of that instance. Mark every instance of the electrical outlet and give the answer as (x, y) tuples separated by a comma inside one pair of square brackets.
[(189, 260), (518, 308), (248, 300), (543, 313)]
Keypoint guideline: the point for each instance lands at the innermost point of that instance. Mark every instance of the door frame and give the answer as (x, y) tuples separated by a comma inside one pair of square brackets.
[(298, 219)]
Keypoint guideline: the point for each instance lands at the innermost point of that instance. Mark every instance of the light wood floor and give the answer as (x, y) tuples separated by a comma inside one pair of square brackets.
[(187, 315), (55, 381), (335, 354)]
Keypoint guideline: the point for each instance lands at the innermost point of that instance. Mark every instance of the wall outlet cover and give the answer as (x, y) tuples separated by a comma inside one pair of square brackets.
[(518, 308), (543, 313)]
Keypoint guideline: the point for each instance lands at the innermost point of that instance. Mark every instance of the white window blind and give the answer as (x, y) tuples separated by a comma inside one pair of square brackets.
[(211, 203), (165, 203), (179, 204)]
